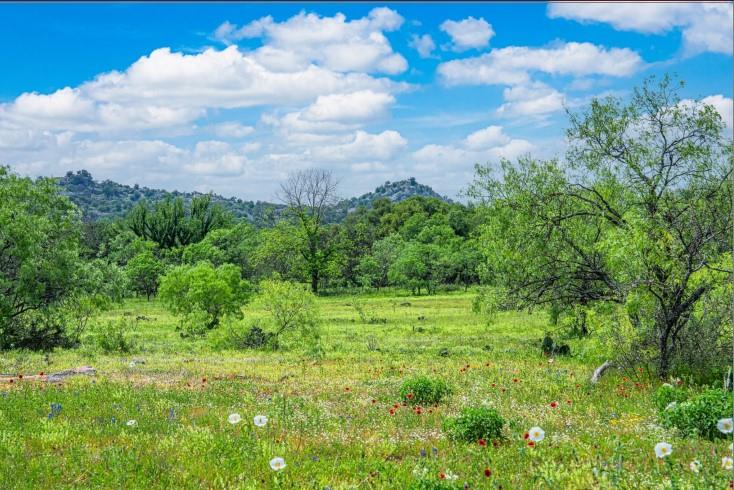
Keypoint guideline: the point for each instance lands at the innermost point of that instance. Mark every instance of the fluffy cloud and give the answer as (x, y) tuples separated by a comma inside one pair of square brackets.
[(468, 33), (533, 99), (330, 42), (361, 106), (705, 26), (485, 145), (168, 89), (512, 65), (423, 44), (362, 146)]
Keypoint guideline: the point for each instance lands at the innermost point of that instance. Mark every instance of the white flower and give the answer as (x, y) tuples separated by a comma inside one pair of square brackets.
[(451, 476), (536, 434), (731, 447), (671, 405), (663, 449), (695, 466), (667, 385), (132, 364), (260, 420), (725, 426), (727, 463), (131, 423), (277, 464), (234, 418)]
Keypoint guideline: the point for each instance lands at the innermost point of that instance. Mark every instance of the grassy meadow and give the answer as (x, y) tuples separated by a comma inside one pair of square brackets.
[(329, 417)]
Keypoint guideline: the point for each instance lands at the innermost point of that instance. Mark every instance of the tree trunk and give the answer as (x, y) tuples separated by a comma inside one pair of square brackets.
[(315, 282)]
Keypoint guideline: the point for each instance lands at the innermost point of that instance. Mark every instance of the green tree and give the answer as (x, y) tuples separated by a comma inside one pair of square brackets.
[(143, 272), (643, 207), (201, 295), (170, 224), (308, 195), (39, 261)]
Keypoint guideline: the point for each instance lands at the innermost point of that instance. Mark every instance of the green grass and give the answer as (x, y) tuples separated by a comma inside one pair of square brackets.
[(322, 418)]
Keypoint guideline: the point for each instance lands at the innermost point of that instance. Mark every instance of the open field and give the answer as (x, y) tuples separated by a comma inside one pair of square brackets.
[(329, 418)]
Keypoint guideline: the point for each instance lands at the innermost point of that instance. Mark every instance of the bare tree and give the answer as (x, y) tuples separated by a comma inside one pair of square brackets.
[(308, 194)]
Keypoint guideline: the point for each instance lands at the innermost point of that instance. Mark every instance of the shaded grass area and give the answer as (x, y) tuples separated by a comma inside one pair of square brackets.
[(329, 418)]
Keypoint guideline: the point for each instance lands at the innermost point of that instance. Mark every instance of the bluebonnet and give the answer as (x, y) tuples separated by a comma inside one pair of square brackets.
[(423, 453), (171, 414), (55, 409)]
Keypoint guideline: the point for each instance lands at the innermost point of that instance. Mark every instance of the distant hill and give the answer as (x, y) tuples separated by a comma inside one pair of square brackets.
[(108, 199), (395, 191)]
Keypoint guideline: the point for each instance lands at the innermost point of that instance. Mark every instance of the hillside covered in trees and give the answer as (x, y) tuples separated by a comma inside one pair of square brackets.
[(106, 199)]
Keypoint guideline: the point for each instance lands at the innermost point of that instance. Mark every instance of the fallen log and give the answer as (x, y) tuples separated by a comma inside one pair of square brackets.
[(600, 371), (51, 377)]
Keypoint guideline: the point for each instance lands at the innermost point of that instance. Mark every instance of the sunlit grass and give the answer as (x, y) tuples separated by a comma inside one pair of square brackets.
[(329, 418)]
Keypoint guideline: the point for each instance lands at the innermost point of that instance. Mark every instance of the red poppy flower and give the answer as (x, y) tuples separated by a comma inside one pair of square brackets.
[(531, 444), (554, 404), (441, 475), (20, 376), (515, 380), (374, 401), (430, 410), (526, 435), (467, 366), (410, 396), (203, 380), (10, 381), (392, 411), (41, 373), (495, 443), (347, 388), (569, 402), (482, 442), (487, 472), (395, 406), (494, 385)]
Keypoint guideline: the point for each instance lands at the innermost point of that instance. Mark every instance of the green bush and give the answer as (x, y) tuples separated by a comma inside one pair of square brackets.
[(475, 423), (117, 336), (699, 414), (667, 394), (423, 390)]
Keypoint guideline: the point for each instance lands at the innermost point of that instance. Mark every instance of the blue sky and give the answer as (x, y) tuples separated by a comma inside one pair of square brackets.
[(231, 97)]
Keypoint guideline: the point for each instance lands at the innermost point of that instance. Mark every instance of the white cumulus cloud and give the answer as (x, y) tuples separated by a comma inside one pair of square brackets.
[(468, 33), (705, 26)]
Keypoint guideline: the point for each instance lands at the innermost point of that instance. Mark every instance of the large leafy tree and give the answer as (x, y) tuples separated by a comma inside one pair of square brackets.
[(41, 272), (639, 216), (170, 224), (308, 195)]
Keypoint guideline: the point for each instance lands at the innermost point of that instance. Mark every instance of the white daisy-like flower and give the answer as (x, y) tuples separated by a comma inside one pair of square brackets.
[(260, 420), (234, 418), (731, 447), (132, 364), (695, 466), (671, 405), (663, 449), (451, 476), (725, 425), (277, 463), (536, 434), (131, 423), (727, 463), (667, 385)]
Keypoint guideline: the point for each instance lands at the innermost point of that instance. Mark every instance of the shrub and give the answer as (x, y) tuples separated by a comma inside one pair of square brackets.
[(423, 390), (699, 415), (201, 295), (667, 394), (292, 308), (115, 336), (475, 423)]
